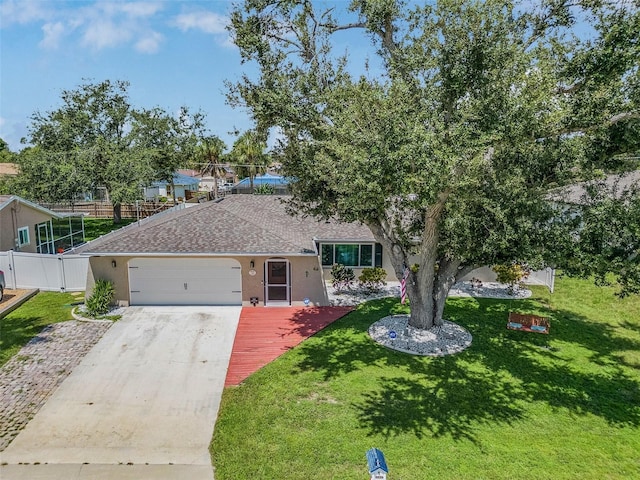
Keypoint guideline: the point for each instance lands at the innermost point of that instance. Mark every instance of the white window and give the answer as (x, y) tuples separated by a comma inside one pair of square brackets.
[(23, 236)]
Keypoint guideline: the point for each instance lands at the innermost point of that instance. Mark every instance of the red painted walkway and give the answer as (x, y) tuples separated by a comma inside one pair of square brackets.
[(265, 333)]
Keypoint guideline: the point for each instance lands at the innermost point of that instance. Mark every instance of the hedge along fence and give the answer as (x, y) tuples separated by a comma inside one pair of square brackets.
[(105, 209)]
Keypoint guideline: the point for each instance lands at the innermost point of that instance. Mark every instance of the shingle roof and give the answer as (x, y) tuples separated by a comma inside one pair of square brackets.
[(6, 200), (237, 224)]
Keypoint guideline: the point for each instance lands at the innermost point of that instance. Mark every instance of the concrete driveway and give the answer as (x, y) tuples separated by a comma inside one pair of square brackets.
[(141, 404)]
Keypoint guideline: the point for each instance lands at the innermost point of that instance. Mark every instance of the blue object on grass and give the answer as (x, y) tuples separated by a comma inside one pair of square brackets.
[(376, 461)]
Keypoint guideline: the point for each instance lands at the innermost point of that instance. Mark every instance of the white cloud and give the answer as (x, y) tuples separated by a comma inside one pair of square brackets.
[(100, 34), (95, 25), (129, 9), (207, 22), (24, 11), (150, 43), (110, 24), (53, 32), (140, 9)]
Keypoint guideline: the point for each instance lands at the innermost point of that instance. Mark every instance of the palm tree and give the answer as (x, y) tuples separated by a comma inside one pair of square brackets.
[(209, 155), (248, 155)]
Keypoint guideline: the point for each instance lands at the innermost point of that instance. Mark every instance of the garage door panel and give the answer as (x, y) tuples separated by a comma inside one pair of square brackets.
[(185, 281)]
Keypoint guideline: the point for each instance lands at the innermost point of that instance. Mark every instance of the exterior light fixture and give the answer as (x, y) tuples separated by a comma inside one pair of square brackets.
[(113, 263)]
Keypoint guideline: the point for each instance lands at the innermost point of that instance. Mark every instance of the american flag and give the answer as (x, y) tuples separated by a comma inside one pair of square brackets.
[(403, 285)]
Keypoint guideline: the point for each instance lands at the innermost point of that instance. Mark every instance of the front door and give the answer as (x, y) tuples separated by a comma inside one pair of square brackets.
[(277, 282)]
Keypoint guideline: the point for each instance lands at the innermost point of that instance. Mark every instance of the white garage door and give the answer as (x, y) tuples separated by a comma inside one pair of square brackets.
[(185, 281)]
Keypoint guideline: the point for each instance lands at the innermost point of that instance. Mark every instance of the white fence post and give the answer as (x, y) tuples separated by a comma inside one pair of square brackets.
[(63, 285), (12, 269)]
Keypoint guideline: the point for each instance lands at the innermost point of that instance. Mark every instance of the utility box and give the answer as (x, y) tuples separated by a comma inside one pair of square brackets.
[(377, 464)]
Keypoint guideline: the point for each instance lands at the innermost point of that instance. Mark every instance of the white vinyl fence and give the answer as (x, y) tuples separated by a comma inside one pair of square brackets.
[(61, 273), (544, 277)]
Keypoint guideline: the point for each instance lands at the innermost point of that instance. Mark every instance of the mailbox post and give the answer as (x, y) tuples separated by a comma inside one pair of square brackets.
[(377, 465)]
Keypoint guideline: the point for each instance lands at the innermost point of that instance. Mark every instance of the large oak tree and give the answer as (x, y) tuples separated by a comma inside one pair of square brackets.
[(97, 139), (88, 138), (449, 138)]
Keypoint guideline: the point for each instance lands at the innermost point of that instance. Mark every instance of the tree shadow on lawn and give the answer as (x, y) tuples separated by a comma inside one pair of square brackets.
[(498, 380)]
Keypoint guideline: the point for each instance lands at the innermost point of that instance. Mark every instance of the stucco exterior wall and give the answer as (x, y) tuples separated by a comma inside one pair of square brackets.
[(306, 278), (24, 216), (101, 268)]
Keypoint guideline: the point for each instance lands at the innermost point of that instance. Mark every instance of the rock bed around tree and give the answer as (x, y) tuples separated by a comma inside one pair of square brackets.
[(394, 332), (446, 339)]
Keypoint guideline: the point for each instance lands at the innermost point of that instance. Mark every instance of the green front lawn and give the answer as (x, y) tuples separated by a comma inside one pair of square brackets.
[(24, 323), (515, 405)]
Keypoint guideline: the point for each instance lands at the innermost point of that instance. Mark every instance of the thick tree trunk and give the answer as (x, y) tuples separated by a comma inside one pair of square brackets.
[(429, 282), (117, 213), (427, 301)]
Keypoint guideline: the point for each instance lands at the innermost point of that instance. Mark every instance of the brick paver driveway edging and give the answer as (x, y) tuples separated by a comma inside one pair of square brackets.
[(32, 375)]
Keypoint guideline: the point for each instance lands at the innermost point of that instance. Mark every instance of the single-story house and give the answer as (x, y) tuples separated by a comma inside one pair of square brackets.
[(225, 179), (238, 250), (181, 183), (28, 227)]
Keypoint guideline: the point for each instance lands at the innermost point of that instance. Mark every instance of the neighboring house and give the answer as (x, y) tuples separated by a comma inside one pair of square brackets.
[(181, 183), (189, 172), (226, 179), (8, 170), (28, 227), (279, 183), (239, 250)]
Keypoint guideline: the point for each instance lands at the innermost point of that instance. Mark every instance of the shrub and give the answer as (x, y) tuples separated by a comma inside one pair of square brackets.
[(372, 279), (264, 189), (100, 300), (343, 277), (511, 274)]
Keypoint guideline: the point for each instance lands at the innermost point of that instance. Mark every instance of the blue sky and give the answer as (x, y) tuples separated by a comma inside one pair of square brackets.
[(172, 52)]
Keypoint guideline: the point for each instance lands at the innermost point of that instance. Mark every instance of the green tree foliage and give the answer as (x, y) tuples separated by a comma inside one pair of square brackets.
[(609, 240), (6, 156), (166, 142), (87, 139), (97, 139), (448, 146), (208, 159), (248, 155)]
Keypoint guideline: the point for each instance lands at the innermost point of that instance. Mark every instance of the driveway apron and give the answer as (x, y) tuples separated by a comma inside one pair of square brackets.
[(147, 394)]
